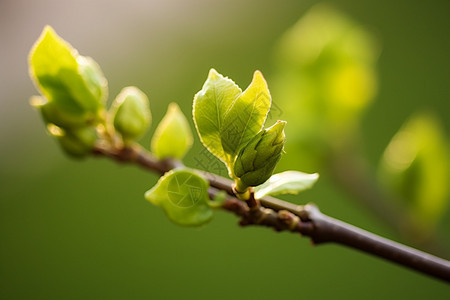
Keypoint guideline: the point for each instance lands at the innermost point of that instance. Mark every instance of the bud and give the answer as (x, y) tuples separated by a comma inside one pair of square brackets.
[(131, 113), (173, 137), (77, 142), (257, 160)]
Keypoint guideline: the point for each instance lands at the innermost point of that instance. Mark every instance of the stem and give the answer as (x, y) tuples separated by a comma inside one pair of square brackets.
[(241, 190), (280, 215)]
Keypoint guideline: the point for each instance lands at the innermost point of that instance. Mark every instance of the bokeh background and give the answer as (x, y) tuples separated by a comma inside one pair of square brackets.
[(82, 230)]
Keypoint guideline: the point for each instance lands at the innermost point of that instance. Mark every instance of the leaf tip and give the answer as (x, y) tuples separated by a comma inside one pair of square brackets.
[(173, 108), (150, 196), (258, 74), (48, 30), (280, 124), (259, 78), (48, 34), (213, 74)]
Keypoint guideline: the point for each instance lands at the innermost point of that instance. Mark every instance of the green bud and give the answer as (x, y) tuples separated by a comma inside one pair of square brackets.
[(256, 161), (173, 137), (77, 142), (73, 86), (131, 113)]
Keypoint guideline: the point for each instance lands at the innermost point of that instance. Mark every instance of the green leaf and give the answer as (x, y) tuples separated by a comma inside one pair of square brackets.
[(73, 84), (210, 106), (183, 195), (131, 113), (173, 137), (246, 115), (414, 167), (289, 182)]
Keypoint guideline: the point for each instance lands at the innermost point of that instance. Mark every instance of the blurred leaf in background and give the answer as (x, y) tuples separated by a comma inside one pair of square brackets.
[(415, 167), (325, 80)]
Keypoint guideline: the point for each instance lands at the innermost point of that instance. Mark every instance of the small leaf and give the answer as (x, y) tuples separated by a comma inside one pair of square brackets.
[(289, 182), (246, 116), (183, 195), (73, 84), (173, 137), (131, 113), (210, 106)]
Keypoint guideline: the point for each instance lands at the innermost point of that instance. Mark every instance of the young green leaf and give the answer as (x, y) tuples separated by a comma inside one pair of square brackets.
[(183, 195), (289, 182), (131, 113), (73, 84), (246, 116), (173, 137), (210, 105)]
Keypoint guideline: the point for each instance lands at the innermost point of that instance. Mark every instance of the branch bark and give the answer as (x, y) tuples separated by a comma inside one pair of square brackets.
[(280, 215)]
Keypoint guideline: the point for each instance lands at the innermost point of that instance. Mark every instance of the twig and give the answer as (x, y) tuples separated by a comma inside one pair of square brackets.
[(306, 220), (328, 229)]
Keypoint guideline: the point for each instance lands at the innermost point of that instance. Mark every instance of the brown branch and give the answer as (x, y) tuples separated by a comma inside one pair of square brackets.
[(306, 220), (328, 229)]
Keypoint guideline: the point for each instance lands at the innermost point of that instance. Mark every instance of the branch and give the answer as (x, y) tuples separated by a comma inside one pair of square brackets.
[(284, 216)]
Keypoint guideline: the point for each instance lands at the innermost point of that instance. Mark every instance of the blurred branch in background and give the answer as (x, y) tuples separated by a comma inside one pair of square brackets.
[(325, 80)]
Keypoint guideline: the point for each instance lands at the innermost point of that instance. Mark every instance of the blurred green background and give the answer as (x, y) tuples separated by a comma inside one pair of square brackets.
[(82, 229)]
